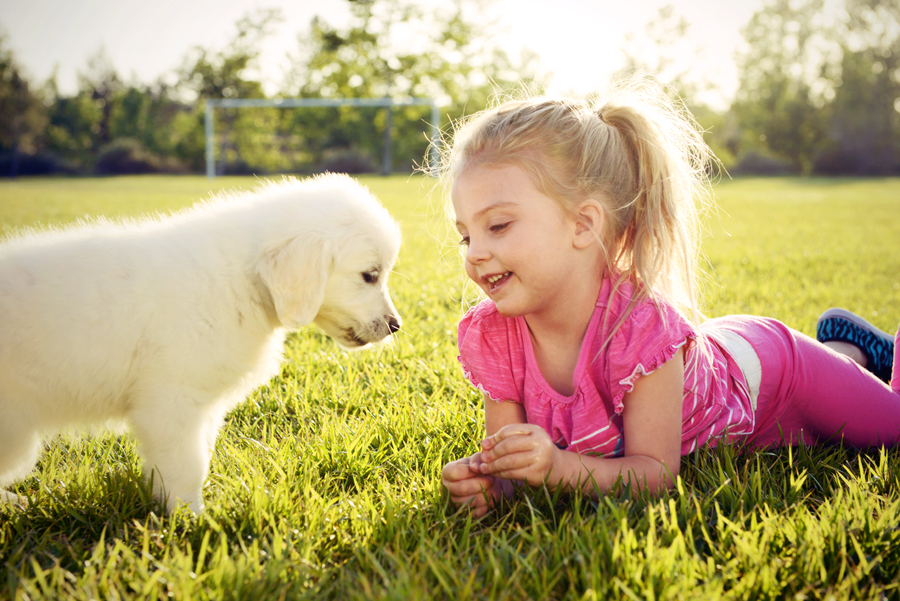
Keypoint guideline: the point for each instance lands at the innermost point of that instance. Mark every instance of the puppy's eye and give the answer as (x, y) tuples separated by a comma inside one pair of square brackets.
[(370, 277)]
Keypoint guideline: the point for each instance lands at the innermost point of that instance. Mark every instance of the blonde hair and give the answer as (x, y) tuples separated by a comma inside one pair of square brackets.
[(636, 150)]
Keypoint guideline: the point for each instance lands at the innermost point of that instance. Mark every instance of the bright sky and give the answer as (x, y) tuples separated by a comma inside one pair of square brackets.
[(578, 41)]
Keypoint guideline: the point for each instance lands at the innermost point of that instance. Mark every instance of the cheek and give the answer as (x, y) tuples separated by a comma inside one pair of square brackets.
[(362, 303), (470, 271), (344, 290)]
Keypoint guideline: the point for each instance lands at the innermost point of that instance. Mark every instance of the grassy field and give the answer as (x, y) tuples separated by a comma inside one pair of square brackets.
[(325, 483)]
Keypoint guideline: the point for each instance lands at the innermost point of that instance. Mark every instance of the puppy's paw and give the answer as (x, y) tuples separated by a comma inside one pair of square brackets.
[(16, 500)]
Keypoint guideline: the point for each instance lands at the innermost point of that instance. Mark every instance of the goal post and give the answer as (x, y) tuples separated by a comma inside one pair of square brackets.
[(213, 103)]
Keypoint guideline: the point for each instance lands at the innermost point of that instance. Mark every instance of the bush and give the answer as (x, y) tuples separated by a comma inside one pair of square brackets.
[(754, 163), (839, 160), (128, 156), (240, 167), (42, 163), (347, 160), (836, 161)]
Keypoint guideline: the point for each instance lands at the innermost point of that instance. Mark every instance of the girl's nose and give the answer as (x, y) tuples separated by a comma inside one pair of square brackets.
[(476, 253)]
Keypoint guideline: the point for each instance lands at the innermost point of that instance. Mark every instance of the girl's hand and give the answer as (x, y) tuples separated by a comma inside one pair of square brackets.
[(519, 452), (466, 484)]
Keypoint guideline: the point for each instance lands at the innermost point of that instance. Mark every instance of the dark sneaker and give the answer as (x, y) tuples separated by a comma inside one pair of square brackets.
[(843, 326)]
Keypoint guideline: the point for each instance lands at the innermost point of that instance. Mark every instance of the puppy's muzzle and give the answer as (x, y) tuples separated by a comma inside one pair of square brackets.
[(393, 323)]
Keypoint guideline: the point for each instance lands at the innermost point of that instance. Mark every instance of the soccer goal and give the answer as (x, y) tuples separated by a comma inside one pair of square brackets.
[(213, 103)]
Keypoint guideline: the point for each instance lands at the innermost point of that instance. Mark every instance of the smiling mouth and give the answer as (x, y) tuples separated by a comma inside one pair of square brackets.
[(495, 281)]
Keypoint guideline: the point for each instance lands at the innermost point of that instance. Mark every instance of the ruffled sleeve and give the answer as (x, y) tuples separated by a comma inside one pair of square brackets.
[(645, 341), (491, 353)]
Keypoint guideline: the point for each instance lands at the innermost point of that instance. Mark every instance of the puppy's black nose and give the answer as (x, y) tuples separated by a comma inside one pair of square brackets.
[(393, 324)]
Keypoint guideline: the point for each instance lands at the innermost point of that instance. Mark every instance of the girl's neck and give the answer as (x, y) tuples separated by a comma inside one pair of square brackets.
[(568, 318), (557, 337)]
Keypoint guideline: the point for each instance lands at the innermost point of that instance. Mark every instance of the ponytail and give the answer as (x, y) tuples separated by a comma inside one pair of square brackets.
[(657, 192)]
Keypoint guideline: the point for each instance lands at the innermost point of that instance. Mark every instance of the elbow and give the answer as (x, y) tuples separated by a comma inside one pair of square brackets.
[(667, 485), (657, 479), (668, 475), (660, 488)]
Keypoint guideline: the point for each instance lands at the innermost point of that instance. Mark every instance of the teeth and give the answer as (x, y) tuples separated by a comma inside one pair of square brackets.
[(494, 278)]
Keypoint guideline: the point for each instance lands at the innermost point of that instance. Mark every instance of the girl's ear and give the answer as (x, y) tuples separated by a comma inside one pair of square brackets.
[(588, 223)]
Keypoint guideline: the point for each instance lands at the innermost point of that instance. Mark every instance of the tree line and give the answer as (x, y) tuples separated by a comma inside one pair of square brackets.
[(819, 93)]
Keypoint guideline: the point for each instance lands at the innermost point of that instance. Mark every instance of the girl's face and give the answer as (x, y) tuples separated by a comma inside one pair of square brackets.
[(519, 243)]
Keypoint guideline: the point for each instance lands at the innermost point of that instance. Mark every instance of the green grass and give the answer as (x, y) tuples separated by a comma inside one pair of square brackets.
[(325, 483)]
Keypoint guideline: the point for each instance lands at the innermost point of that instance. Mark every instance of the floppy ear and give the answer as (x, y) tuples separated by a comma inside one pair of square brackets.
[(295, 274)]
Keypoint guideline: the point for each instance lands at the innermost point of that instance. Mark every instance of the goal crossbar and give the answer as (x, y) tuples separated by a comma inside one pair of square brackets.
[(213, 103)]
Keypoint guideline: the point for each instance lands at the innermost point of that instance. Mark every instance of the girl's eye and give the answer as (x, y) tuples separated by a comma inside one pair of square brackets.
[(499, 227), (464, 241)]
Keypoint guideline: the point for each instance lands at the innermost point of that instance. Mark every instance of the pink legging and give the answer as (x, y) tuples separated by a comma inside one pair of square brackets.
[(813, 393)]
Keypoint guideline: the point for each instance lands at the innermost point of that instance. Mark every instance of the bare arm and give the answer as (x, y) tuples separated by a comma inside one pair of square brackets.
[(652, 431), (499, 415)]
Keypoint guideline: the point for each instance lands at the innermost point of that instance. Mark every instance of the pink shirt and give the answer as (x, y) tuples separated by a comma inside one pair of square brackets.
[(497, 357)]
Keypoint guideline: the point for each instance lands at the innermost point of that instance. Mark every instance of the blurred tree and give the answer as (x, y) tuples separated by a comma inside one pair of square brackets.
[(79, 125), (786, 81), (100, 83), (104, 110), (73, 124), (864, 137), (653, 51), (242, 136), (22, 114), (396, 48), (223, 74), (152, 119)]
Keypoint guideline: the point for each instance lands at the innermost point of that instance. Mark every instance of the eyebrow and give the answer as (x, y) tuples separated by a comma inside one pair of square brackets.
[(498, 205)]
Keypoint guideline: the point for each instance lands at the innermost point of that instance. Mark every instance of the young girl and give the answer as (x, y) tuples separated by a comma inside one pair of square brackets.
[(580, 224)]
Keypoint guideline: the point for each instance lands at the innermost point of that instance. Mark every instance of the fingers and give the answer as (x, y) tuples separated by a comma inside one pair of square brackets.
[(519, 452), (514, 466), (475, 463), (477, 506), (463, 489), (476, 493), (520, 467), (456, 471), (465, 483), (522, 442), (475, 502), (508, 431)]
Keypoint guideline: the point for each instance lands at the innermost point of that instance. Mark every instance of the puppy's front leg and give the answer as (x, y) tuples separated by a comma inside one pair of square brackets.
[(176, 434), (13, 499)]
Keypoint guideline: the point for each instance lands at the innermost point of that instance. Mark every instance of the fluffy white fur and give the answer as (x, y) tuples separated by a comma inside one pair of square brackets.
[(166, 324)]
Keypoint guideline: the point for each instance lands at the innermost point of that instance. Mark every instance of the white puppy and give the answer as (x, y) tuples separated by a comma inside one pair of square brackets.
[(168, 323)]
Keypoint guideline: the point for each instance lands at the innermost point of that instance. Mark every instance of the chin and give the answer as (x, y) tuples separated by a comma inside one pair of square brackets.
[(507, 309), (353, 335), (344, 336), (350, 343)]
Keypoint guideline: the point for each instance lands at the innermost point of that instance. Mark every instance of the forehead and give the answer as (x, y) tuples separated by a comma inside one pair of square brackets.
[(368, 243), (482, 188)]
